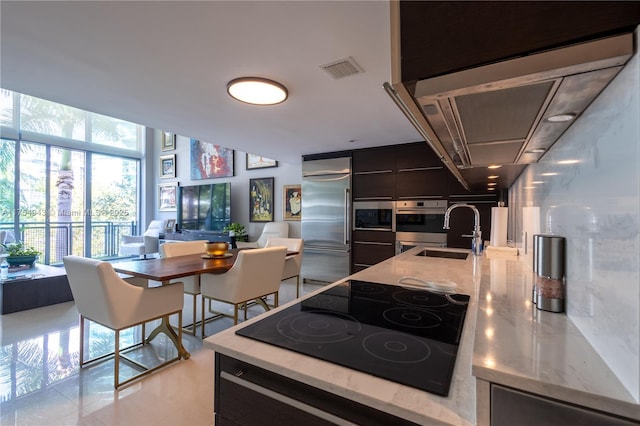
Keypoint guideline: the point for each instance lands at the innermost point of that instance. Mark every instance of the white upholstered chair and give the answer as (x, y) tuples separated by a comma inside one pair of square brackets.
[(270, 230), (293, 263), (103, 297), (142, 245), (191, 283), (255, 273)]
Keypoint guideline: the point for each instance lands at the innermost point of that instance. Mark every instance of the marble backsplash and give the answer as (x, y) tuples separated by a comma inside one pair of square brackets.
[(587, 189)]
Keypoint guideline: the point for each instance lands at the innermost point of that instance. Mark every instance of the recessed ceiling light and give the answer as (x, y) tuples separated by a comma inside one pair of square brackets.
[(548, 174), (561, 118), (493, 177), (534, 151), (491, 188), (257, 91), (492, 184), (568, 161), (538, 181), (494, 166)]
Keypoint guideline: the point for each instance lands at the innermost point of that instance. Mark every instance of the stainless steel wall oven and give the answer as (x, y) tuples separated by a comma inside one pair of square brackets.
[(420, 223)]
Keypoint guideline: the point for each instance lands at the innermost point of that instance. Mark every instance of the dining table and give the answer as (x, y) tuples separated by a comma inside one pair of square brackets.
[(167, 269)]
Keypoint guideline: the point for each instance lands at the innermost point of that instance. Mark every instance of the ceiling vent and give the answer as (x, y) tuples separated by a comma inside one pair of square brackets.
[(342, 68)]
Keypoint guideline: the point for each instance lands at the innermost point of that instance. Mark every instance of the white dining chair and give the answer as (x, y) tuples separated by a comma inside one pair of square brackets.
[(293, 263), (270, 230), (256, 273), (191, 283), (103, 297)]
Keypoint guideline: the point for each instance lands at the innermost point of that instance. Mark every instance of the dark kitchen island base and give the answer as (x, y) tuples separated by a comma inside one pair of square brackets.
[(249, 395), (39, 286)]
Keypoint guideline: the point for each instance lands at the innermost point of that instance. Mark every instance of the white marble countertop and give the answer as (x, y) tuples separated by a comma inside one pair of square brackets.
[(541, 352), (505, 340)]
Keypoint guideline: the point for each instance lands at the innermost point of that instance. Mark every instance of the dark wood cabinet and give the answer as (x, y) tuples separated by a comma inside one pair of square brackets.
[(374, 160), (371, 247), (374, 186), (427, 183), (439, 37), (374, 174), (416, 156), (247, 395)]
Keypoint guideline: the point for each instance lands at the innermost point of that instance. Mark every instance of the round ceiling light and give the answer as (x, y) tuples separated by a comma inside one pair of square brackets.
[(257, 91)]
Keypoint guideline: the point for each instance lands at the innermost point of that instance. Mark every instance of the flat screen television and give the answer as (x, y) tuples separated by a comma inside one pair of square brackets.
[(204, 207)]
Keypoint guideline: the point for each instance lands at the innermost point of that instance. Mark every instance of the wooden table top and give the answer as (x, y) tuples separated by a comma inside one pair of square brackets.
[(176, 267), (180, 266)]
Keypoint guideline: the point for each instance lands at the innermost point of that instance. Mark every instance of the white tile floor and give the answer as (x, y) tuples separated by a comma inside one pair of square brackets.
[(52, 390)]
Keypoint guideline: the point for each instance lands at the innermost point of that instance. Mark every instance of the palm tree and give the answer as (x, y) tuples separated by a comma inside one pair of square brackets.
[(42, 116)]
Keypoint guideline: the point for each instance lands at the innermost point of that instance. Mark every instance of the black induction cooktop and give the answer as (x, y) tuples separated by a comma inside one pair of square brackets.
[(402, 334)]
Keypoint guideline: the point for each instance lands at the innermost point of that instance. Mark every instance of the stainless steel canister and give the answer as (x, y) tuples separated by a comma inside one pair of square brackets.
[(549, 267)]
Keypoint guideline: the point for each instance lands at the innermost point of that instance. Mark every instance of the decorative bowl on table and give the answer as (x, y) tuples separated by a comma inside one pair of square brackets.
[(216, 248), (21, 260)]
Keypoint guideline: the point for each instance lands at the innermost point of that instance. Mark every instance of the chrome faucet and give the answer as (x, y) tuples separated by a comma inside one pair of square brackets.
[(476, 245)]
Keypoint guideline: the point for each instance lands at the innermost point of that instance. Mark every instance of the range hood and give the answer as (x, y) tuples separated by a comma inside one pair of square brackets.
[(509, 112)]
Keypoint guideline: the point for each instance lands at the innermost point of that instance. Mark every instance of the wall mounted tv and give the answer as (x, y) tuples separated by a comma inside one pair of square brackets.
[(204, 207)]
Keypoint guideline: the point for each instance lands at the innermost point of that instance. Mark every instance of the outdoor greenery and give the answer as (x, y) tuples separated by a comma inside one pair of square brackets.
[(51, 210), (19, 249)]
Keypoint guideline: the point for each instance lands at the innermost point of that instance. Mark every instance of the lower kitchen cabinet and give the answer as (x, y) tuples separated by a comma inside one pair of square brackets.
[(513, 407), (247, 395), (371, 247)]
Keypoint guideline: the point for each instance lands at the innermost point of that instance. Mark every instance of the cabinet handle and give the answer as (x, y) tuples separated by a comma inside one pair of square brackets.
[(419, 169), (413, 197), (372, 243), (467, 235), (286, 400), (377, 172), (372, 198)]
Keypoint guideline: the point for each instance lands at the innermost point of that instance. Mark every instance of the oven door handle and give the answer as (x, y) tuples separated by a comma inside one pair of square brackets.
[(425, 211)]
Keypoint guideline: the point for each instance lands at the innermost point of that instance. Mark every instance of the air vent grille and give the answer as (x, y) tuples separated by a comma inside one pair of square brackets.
[(342, 68)]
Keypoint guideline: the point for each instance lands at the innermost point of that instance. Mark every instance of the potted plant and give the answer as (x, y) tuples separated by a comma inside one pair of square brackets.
[(237, 230), (19, 254)]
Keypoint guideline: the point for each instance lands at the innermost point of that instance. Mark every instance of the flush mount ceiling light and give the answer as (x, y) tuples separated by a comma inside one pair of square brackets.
[(257, 91), (494, 166)]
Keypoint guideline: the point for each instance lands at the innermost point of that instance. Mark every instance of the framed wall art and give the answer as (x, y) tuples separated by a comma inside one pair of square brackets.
[(168, 166), (210, 161), (168, 141), (259, 162), (261, 200), (292, 199), (170, 226), (167, 197)]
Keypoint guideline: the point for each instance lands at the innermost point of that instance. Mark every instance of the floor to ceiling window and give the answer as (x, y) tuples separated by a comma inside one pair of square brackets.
[(70, 177)]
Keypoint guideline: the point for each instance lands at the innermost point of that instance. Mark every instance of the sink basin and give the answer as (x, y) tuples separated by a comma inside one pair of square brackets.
[(444, 254)]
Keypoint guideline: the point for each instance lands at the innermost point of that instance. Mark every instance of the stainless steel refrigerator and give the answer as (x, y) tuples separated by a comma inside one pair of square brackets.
[(326, 206)]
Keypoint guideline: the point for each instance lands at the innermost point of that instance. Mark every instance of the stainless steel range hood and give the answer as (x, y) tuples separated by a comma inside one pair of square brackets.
[(502, 113)]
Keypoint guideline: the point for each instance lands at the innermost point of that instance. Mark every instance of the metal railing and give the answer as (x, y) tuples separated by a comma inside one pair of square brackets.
[(58, 239)]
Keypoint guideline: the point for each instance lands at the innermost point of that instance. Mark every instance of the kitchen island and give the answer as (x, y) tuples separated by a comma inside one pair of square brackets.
[(505, 341)]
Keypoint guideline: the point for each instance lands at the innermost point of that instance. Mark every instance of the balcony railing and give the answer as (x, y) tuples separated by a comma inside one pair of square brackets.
[(58, 239)]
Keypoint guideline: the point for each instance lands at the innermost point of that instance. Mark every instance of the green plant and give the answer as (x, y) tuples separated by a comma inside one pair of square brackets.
[(19, 249), (238, 230)]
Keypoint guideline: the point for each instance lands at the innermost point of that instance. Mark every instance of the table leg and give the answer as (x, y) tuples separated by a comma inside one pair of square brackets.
[(166, 328)]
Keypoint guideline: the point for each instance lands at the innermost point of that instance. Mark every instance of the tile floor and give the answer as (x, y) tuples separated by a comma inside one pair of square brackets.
[(52, 390)]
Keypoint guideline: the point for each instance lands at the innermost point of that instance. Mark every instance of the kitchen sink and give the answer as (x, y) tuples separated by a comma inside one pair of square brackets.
[(444, 254)]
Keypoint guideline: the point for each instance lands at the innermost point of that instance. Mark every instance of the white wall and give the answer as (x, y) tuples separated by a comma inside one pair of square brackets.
[(284, 174), (595, 204)]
